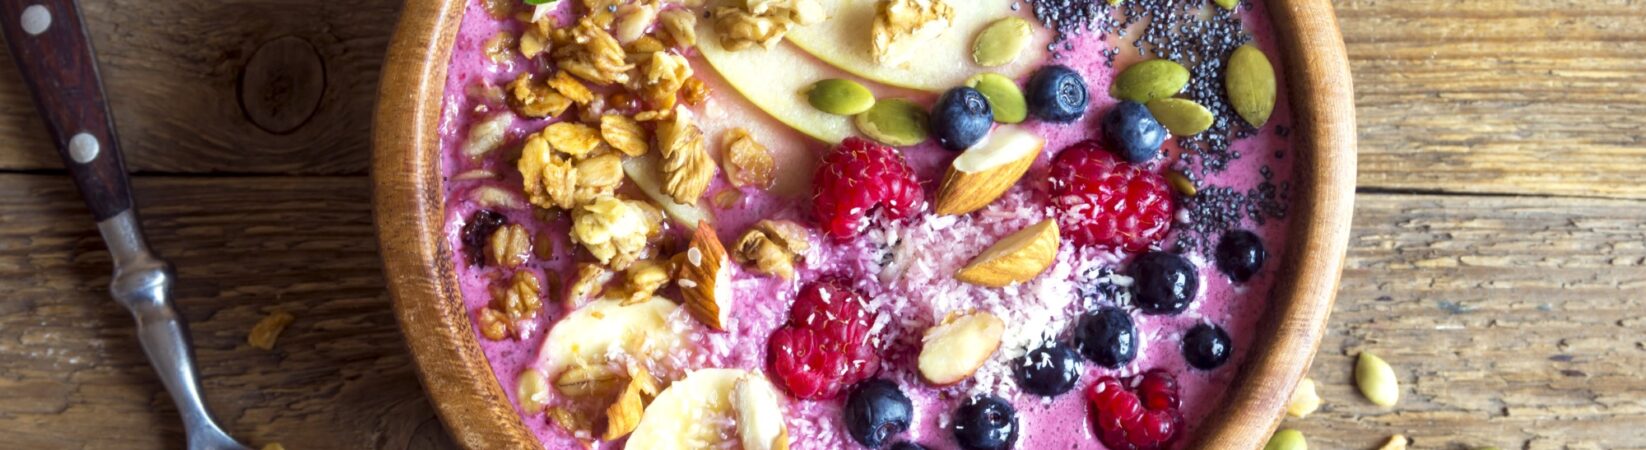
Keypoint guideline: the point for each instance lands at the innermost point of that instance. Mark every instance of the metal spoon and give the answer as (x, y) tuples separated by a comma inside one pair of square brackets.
[(53, 51)]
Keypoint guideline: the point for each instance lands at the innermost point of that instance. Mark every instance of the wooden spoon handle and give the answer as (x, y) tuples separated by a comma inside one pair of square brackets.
[(54, 53)]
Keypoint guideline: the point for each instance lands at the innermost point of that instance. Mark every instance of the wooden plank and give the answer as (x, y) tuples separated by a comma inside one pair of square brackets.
[(1512, 322), (1534, 96), (73, 375), (176, 73)]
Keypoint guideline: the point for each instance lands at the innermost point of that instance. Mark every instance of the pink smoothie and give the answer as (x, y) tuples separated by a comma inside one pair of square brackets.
[(905, 268)]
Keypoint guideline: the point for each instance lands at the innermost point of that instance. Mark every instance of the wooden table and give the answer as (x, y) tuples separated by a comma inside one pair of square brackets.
[(1497, 259)]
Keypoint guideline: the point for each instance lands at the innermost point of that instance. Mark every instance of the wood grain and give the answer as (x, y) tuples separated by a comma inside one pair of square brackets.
[(1512, 322)]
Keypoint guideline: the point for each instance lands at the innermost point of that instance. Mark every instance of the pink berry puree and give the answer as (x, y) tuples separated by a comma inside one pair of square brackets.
[(905, 268)]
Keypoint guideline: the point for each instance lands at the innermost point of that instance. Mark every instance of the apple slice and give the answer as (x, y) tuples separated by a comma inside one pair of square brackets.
[(774, 80), (1017, 258), (953, 350), (844, 41), (987, 170)]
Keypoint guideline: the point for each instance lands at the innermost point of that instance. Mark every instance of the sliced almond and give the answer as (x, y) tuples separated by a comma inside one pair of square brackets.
[(953, 350), (624, 414), (705, 278), (985, 171), (759, 415), (1017, 258)]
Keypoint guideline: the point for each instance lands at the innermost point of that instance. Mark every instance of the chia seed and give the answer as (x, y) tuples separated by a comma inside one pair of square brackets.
[(1217, 209)]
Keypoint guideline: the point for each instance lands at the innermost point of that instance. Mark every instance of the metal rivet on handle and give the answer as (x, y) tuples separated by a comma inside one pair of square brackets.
[(84, 148), (36, 19)]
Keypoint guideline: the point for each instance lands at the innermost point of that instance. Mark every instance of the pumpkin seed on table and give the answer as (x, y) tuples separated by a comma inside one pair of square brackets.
[(1250, 81), (1001, 42), (1005, 98), (1376, 380), (893, 121), (840, 97), (1149, 80), (1396, 442), (1287, 439), (1182, 117)]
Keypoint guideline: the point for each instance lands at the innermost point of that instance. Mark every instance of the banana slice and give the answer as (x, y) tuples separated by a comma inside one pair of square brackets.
[(589, 334), (691, 413)]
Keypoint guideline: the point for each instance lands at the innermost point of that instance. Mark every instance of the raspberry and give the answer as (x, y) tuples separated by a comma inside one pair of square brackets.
[(1142, 418), (1103, 201), (824, 348), (857, 178)]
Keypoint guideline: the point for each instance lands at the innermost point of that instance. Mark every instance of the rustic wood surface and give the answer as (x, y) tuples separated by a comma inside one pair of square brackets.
[(1498, 253)]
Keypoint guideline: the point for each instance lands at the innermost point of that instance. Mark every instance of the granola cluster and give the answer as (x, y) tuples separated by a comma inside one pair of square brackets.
[(902, 27), (764, 22)]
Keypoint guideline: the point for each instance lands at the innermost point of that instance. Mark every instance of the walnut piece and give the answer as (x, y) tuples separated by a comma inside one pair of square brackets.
[(902, 27), (748, 164), (687, 167), (611, 229), (268, 330), (509, 246), (535, 100), (772, 247), (624, 134), (549, 180)]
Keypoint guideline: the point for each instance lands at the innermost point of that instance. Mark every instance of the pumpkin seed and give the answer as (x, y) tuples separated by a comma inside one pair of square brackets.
[(1182, 117), (840, 97), (1003, 95), (1376, 380), (1250, 81), (893, 121), (1001, 42), (1227, 4), (1181, 183), (1304, 400), (1287, 440), (1396, 442), (1149, 80)]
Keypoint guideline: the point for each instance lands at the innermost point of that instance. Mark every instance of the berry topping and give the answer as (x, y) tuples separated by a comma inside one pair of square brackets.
[(1132, 129), (1048, 370), (480, 227), (1102, 201), (1207, 346), (1164, 283), (1142, 418), (1107, 336), (985, 423), (905, 445), (1240, 254), (961, 118), (825, 346), (857, 178), (875, 411), (1057, 94)]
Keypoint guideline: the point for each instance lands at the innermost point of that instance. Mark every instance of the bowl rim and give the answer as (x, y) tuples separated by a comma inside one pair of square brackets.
[(408, 205)]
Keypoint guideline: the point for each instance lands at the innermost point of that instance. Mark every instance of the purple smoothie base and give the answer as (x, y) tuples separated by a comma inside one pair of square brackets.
[(762, 302)]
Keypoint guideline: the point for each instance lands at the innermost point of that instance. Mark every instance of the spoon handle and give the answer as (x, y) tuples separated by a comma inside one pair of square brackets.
[(52, 50)]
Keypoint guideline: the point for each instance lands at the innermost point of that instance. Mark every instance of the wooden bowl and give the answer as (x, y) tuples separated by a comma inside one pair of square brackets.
[(422, 281)]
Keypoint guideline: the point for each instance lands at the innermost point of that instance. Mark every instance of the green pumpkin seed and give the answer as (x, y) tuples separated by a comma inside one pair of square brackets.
[(1181, 183), (1251, 83), (1182, 117), (1376, 380), (1001, 42), (1227, 4), (1005, 98), (893, 121), (1149, 80), (1287, 440), (840, 97)]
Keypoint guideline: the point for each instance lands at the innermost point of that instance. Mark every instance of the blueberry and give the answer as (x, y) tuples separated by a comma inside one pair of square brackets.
[(1057, 94), (1048, 370), (1107, 336), (1240, 254), (875, 411), (1207, 346), (961, 118), (906, 445), (985, 423), (1163, 283), (1133, 131), (477, 230)]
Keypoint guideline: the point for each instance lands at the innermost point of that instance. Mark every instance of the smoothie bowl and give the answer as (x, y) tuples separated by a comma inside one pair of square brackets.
[(822, 224)]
